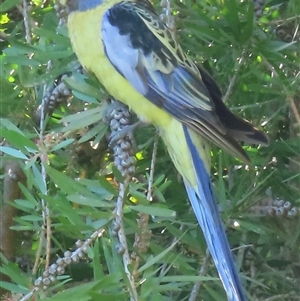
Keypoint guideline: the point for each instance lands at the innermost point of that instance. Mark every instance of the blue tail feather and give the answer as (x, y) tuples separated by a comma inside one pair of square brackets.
[(207, 213)]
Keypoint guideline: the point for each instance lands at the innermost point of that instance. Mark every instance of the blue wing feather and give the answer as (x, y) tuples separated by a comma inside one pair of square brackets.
[(168, 78), (208, 217)]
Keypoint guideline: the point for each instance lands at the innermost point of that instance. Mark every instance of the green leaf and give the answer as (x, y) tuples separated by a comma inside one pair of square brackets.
[(102, 188), (83, 119), (28, 195), (79, 84), (13, 152), (9, 126), (87, 201), (117, 174), (11, 287), (66, 184), (123, 296), (6, 5), (107, 185), (230, 13), (82, 115), (62, 144), (183, 278), (26, 204), (21, 60), (80, 291), (19, 140), (85, 97), (11, 270), (277, 46), (38, 180), (257, 228), (154, 259), (32, 218), (99, 129), (154, 210), (247, 29), (67, 215), (97, 267), (60, 40)]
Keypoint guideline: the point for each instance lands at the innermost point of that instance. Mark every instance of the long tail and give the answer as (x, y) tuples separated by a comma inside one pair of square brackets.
[(208, 217)]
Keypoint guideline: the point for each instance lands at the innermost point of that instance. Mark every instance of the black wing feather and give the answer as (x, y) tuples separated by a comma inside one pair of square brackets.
[(168, 78)]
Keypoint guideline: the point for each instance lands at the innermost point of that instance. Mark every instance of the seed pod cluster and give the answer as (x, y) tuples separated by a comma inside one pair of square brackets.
[(276, 208), (119, 120), (142, 240), (52, 98), (259, 6), (58, 268), (286, 32), (166, 15)]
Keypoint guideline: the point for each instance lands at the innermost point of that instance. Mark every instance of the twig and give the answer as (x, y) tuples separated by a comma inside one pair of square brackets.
[(39, 251), (26, 22), (233, 79), (271, 68), (197, 285), (241, 251), (44, 159), (283, 296), (291, 102), (281, 21), (152, 167), (119, 118), (123, 240), (141, 242), (174, 241), (289, 99), (3, 36), (58, 268), (166, 15)]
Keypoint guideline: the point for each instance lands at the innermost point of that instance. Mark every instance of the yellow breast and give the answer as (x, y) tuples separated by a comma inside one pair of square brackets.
[(85, 36)]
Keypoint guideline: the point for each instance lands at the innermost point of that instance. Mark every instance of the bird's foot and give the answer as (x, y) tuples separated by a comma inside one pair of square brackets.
[(124, 131)]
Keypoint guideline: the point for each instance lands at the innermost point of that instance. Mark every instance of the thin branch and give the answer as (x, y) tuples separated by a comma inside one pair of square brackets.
[(39, 251), (271, 68), (58, 268), (166, 15), (289, 99), (123, 240), (141, 242), (152, 168), (174, 241), (3, 36), (119, 118), (46, 228), (45, 209), (282, 297), (291, 102), (233, 79), (282, 21), (197, 285), (26, 22)]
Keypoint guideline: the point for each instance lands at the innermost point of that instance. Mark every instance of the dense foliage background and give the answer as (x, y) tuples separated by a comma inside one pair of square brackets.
[(59, 183)]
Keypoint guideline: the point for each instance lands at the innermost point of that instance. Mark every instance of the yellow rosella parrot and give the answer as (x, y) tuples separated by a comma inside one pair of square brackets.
[(138, 60)]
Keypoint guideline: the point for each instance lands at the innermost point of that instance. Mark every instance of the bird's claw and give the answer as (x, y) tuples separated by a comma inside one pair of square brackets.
[(125, 131)]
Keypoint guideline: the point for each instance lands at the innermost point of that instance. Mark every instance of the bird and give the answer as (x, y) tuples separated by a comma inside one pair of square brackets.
[(138, 60)]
